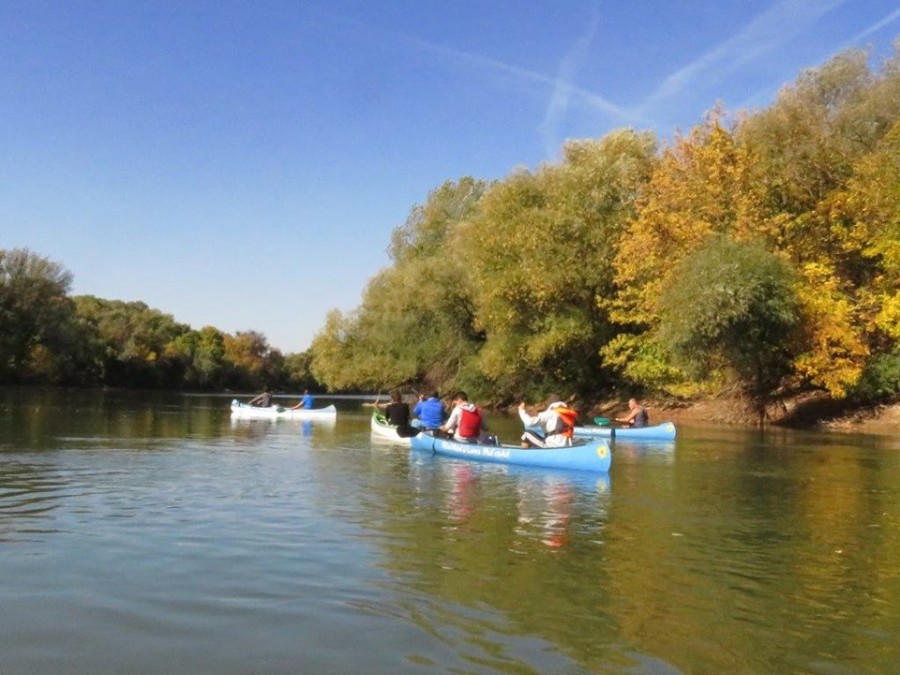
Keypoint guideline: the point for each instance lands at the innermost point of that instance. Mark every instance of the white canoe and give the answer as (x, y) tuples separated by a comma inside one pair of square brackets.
[(276, 412), (383, 431)]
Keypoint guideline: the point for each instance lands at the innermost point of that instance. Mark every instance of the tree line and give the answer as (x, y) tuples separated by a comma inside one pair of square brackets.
[(755, 254), (48, 336)]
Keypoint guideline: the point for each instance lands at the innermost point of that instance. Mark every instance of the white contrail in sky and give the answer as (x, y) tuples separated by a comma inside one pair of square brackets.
[(775, 26), (875, 27), (563, 88), (560, 86)]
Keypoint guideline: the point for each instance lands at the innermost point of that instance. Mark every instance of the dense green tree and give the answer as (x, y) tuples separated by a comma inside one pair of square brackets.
[(415, 321), (732, 305), (251, 361), (298, 371), (200, 356), (37, 318), (134, 340)]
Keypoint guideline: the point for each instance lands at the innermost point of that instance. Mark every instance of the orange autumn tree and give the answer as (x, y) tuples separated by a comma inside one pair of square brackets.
[(702, 186)]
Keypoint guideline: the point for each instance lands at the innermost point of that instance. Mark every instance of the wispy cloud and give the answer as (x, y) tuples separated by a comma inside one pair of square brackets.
[(775, 26), (875, 27), (563, 88)]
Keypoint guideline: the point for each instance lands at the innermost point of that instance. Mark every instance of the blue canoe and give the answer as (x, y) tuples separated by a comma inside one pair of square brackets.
[(658, 432), (590, 456)]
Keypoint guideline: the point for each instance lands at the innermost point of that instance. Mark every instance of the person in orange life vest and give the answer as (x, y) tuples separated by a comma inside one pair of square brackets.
[(466, 421), (557, 423)]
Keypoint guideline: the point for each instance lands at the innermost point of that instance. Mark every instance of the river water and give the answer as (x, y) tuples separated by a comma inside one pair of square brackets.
[(152, 534)]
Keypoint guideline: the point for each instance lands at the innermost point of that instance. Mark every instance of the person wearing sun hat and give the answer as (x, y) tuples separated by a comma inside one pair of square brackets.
[(551, 428)]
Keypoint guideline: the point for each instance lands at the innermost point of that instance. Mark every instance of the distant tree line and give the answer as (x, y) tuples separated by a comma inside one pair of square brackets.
[(758, 254), (50, 337)]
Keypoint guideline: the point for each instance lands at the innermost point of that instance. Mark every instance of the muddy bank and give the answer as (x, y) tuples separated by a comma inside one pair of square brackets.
[(809, 411)]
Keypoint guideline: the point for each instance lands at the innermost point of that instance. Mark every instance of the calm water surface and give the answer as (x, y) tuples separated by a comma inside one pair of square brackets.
[(151, 534)]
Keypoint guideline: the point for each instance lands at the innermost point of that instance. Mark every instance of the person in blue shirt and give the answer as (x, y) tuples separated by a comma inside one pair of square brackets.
[(306, 402), (430, 412)]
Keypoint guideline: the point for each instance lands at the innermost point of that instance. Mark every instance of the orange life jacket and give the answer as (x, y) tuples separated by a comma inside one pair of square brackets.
[(565, 421)]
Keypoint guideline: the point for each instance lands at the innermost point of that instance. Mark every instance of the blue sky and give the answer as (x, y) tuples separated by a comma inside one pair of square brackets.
[(242, 164)]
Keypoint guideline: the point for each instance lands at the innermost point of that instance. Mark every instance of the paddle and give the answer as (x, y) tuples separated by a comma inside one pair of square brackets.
[(602, 421)]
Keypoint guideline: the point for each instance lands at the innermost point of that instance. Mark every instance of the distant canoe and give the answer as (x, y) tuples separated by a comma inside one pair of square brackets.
[(276, 412), (591, 456), (658, 432)]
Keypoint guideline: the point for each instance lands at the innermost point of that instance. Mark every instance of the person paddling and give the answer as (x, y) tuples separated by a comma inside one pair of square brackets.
[(262, 401), (466, 420), (397, 414), (430, 411), (306, 403), (637, 416)]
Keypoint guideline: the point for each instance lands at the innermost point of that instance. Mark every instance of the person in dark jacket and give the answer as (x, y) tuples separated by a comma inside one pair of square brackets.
[(397, 414)]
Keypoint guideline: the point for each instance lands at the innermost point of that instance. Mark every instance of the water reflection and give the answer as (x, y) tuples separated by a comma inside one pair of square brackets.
[(660, 452), (251, 428), (551, 507)]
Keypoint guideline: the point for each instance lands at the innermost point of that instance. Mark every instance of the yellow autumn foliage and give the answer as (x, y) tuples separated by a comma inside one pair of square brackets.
[(835, 353), (701, 186)]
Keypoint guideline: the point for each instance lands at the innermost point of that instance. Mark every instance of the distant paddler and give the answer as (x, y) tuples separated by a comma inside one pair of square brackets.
[(306, 403), (637, 416), (264, 400)]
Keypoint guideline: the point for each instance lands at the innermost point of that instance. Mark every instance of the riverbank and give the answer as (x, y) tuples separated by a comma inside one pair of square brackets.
[(808, 411)]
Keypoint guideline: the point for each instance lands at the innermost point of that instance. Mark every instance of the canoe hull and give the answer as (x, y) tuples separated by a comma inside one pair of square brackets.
[(248, 412), (591, 456), (659, 432), (383, 431)]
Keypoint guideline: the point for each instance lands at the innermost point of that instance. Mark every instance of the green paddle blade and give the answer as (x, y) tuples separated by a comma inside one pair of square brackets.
[(602, 421)]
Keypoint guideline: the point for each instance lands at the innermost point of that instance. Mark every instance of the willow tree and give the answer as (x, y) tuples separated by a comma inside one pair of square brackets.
[(415, 322), (731, 305), (806, 143), (201, 358), (539, 252), (133, 341), (37, 318)]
